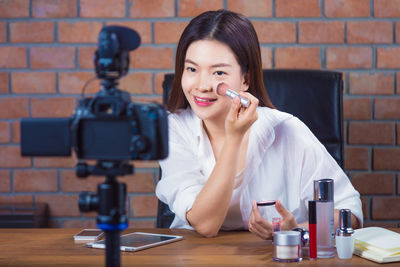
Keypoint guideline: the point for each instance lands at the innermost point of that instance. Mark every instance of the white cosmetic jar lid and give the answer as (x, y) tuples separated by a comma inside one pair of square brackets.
[(287, 238)]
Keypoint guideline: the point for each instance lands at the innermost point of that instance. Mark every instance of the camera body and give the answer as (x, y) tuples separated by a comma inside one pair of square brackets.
[(108, 126)]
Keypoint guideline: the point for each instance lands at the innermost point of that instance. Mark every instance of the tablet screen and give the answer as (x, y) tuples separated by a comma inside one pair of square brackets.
[(138, 241)]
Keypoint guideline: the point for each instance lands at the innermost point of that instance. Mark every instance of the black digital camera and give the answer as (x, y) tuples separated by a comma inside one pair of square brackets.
[(108, 126)]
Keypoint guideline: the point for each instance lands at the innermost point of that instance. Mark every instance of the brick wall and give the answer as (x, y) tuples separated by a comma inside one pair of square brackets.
[(46, 55)]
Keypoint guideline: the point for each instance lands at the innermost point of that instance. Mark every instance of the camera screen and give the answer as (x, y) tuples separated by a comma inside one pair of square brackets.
[(105, 139)]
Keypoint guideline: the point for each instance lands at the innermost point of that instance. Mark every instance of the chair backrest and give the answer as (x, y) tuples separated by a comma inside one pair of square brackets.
[(314, 96)]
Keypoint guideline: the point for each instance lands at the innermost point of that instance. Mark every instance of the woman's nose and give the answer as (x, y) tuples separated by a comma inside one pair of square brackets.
[(205, 84)]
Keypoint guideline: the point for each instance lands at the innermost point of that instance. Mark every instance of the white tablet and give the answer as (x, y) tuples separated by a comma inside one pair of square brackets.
[(138, 241)]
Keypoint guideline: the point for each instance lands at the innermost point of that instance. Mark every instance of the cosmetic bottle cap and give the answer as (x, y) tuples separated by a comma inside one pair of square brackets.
[(287, 238), (344, 223), (323, 190)]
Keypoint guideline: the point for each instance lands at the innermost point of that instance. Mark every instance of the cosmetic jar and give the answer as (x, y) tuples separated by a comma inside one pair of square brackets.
[(287, 246)]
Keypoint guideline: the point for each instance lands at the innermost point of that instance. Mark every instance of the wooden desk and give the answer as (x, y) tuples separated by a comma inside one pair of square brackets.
[(56, 247)]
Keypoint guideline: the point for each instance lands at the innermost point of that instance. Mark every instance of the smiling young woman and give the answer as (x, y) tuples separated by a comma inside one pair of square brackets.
[(224, 156)]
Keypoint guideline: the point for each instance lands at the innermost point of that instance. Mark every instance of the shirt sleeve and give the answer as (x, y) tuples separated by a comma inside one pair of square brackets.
[(181, 179), (317, 164)]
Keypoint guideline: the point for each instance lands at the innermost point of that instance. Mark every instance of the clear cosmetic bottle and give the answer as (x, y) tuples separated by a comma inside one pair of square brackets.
[(323, 193), (344, 235)]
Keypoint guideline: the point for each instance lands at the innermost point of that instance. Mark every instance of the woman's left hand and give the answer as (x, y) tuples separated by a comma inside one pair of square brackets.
[(263, 228)]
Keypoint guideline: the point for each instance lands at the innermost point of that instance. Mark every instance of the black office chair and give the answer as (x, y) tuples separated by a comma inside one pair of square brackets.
[(314, 96)]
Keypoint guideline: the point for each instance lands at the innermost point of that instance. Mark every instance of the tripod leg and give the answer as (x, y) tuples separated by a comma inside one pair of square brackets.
[(113, 257)]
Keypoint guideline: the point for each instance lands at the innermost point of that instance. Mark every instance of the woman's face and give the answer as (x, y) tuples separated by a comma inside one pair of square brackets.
[(208, 63)]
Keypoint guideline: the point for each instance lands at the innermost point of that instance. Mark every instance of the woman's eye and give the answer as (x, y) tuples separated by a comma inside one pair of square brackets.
[(220, 73), (191, 69)]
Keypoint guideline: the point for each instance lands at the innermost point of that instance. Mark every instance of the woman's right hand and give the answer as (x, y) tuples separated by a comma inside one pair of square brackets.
[(240, 119)]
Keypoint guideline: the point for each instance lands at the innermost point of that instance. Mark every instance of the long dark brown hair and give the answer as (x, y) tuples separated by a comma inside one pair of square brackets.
[(232, 29)]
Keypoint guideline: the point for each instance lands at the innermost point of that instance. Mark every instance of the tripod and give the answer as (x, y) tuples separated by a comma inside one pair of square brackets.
[(109, 202)]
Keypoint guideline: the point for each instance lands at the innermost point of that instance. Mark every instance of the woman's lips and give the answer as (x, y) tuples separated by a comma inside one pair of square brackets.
[(203, 101)]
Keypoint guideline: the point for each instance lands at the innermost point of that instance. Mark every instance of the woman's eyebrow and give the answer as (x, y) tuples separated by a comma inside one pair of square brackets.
[(218, 65), (191, 62)]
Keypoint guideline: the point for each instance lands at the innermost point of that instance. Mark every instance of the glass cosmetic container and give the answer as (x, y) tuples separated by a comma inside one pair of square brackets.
[(287, 246), (323, 193), (344, 235)]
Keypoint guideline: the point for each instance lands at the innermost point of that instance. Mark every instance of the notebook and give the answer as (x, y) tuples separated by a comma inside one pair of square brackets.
[(377, 244)]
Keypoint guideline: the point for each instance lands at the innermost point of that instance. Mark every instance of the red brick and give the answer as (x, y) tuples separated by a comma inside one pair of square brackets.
[(148, 99), (190, 8), (73, 82), (10, 157), (257, 8), (54, 162), (53, 57), (14, 9), (385, 208), (398, 138), (374, 183), (144, 206), (31, 32), (5, 181), (3, 83), (321, 32), (357, 109), (13, 57), (386, 158), (388, 58), (86, 57), (146, 164), (52, 107), (371, 83), (347, 8), (140, 182), (299, 8), (398, 83), (71, 183), (98, 8), (78, 32), (366, 32), (376, 133), (266, 57), (3, 32), (141, 224), (168, 32), (33, 82), (387, 8), (54, 8), (12, 199), (137, 83), (5, 132), (152, 58), (60, 205), (387, 108), (35, 181), (356, 158), (16, 132), (297, 57), (275, 32), (141, 27), (13, 108), (159, 78), (81, 224), (152, 9), (348, 57)]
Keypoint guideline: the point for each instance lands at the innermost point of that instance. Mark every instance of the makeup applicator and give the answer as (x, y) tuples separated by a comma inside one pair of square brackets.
[(223, 89)]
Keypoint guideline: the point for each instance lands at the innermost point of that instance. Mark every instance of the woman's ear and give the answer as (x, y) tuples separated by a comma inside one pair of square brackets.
[(246, 82)]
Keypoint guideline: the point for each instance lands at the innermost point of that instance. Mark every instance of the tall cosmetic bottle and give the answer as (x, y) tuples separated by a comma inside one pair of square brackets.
[(323, 193), (344, 235)]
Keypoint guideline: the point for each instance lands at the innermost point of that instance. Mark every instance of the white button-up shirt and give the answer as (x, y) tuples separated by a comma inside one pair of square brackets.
[(283, 160)]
